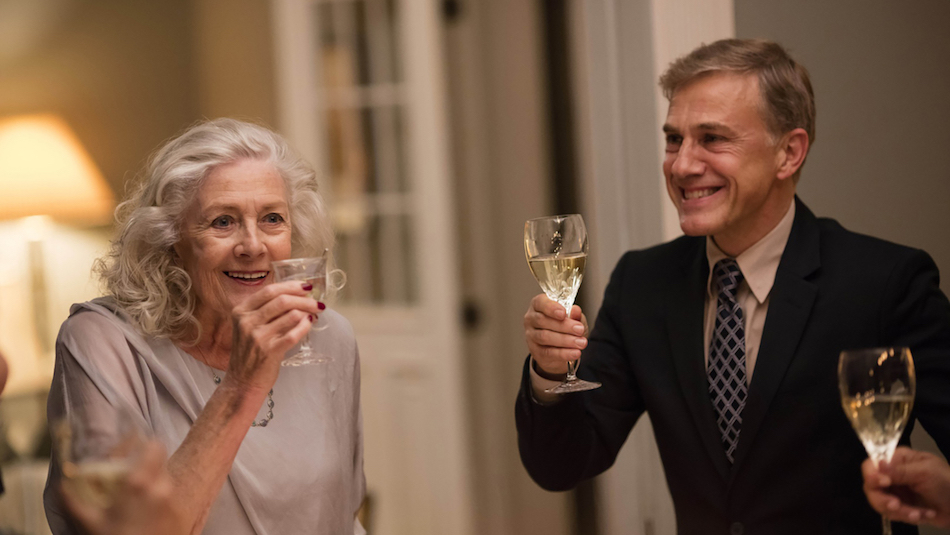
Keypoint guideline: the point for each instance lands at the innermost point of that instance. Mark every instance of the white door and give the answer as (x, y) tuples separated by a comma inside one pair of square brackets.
[(361, 95)]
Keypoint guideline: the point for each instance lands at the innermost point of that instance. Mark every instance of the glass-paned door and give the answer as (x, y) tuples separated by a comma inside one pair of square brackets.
[(361, 95)]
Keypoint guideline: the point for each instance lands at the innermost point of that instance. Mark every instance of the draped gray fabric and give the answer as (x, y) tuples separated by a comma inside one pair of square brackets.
[(303, 473)]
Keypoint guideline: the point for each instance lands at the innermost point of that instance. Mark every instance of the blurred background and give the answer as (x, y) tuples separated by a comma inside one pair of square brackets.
[(437, 127)]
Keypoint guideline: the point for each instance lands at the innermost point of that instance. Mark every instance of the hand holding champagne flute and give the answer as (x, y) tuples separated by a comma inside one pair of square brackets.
[(877, 393), (556, 250)]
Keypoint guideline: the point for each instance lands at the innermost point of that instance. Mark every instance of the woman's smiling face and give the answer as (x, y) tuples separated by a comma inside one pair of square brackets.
[(238, 223)]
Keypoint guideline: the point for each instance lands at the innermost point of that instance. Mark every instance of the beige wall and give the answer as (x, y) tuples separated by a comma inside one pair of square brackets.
[(881, 75), (128, 74), (120, 72), (234, 56)]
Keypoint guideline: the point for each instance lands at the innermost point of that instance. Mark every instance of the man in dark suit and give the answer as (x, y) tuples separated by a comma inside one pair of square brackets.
[(729, 336)]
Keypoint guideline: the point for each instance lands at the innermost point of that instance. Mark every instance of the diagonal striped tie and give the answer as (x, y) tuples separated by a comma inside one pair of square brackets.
[(726, 371)]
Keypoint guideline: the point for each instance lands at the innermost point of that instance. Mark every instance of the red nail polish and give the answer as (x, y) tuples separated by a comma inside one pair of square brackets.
[(321, 306), (307, 286), (311, 317)]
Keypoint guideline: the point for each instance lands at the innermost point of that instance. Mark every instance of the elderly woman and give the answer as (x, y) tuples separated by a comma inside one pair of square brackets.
[(193, 332)]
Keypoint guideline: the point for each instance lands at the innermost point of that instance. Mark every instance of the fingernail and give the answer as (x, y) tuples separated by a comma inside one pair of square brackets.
[(579, 329), (311, 317), (307, 286), (321, 306), (580, 342)]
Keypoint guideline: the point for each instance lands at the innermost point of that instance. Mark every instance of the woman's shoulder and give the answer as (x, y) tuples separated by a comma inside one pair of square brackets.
[(96, 326), (339, 323), (340, 331)]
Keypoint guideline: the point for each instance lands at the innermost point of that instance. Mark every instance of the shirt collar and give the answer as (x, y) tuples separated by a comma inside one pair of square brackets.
[(758, 263)]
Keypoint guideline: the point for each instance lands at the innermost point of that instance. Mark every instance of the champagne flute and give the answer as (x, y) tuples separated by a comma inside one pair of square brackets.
[(96, 449), (313, 271), (556, 250), (877, 392)]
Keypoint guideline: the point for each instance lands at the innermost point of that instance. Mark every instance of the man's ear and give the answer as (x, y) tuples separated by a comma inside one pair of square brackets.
[(792, 151)]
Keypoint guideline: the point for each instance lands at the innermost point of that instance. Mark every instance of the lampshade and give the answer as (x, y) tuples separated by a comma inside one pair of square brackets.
[(44, 170)]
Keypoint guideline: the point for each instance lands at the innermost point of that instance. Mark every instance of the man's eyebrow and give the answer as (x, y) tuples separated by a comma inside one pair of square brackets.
[(714, 126), (669, 129)]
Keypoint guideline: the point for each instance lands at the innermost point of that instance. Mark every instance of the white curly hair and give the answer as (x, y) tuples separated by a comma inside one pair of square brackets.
[(142, 271)]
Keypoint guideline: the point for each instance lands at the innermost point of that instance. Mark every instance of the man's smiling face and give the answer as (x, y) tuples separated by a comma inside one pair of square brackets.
[(722, 162)]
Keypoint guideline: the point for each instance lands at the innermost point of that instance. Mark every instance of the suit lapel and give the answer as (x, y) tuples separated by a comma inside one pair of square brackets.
[(790, 306), (685, 327)]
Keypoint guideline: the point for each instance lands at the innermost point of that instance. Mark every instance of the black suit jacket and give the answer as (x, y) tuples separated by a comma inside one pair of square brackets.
[(797, 464)]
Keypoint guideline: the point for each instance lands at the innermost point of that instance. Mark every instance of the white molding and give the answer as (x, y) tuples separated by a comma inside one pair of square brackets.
[(620, 49)]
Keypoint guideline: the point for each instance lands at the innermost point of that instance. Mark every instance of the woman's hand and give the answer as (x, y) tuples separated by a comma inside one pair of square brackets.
[(143, 506), (265, 326), (554, 339)]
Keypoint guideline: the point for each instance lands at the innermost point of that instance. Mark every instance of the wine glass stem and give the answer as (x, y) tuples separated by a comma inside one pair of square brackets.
[(571, 365), (572, 371), (305, 343), (885, 525)]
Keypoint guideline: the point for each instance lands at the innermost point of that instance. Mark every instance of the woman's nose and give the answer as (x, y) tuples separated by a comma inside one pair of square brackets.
[(250, 244)]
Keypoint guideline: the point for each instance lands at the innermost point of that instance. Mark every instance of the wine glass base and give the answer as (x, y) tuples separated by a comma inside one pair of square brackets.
[(578, 385), (304, 359)]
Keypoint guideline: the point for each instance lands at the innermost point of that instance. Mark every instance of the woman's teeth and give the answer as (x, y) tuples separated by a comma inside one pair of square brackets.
[(247, 276)]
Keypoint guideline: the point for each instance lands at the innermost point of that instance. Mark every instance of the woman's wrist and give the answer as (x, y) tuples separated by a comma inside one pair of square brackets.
[(242, 391)]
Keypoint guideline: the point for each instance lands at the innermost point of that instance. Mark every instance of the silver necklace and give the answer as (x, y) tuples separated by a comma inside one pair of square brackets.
[(270, 404)]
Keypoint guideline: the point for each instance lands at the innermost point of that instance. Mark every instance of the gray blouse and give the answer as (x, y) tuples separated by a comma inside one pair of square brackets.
[(302, 473)]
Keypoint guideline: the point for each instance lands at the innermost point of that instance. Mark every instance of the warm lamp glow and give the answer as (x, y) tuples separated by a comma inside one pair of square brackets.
[(44, 170)]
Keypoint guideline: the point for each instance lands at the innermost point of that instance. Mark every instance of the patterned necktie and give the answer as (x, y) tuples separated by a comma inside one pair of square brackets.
[(726, 370)]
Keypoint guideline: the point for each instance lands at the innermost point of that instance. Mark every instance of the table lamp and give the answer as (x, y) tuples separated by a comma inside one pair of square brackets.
[(45, 173)]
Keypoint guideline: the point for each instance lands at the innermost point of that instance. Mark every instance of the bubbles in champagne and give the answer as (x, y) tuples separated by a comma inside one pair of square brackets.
[(559, 275), (879, 420)]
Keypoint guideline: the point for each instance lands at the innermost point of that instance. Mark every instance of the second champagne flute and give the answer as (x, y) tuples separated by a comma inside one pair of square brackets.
[(556, 250), (95, 449), (313, 271), (877, 393)]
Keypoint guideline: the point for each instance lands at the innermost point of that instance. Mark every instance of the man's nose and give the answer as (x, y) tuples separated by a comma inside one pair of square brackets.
[(687, 161)]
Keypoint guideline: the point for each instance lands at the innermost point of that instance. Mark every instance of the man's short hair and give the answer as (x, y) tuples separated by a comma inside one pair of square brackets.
[(784, 83)]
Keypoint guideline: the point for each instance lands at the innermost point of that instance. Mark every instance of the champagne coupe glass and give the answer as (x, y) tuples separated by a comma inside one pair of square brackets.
[(877, 392), (96, 448), (314, 271), (556, 249)]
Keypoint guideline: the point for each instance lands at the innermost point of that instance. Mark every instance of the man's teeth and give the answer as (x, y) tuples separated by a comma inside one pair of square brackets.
[(247, 276), (699, 193)]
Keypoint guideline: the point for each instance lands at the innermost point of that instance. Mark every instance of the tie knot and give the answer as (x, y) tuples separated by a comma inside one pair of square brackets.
[(728, 275)]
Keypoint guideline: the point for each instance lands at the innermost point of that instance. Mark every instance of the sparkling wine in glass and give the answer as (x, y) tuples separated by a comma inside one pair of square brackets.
[(556, 249), (313, 271), (877, 393)]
